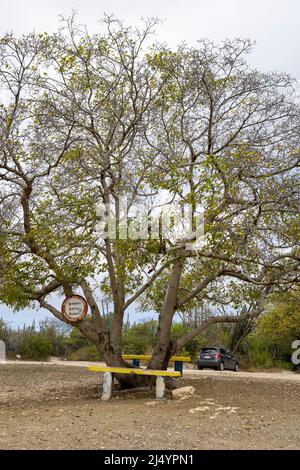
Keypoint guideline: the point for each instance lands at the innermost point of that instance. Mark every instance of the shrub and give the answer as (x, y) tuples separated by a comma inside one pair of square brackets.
[(85, 353), (36, 347), (140, 337), (192, 347)]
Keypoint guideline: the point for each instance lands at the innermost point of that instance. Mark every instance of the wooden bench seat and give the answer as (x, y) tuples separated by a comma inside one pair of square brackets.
[(143, 357), (108, 378)]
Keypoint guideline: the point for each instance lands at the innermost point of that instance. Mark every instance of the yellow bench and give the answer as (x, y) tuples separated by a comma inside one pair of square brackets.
[(108, 378), (178, 360)]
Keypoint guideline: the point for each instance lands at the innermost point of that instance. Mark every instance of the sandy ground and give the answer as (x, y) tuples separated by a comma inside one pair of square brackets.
[(189, 371), (54, 406)]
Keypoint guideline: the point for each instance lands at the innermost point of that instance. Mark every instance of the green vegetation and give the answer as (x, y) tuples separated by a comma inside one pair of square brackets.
[(266, 344), (195, 126), (270, 344), (36, 347), (52, 338), (140, 337)]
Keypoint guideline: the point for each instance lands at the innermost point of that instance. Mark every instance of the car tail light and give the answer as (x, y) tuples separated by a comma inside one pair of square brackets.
[(217, 356)]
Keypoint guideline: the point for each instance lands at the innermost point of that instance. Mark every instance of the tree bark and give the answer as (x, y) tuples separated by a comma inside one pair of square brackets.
[(163, 347)]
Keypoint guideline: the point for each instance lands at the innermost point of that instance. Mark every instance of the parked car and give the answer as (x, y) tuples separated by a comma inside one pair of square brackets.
[(217, 358)]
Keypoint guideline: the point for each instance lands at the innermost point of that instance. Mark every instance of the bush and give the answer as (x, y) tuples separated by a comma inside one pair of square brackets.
[(192, 347), (140, 338), (36, 347), (284, 365), (85, 353), (75, 341)]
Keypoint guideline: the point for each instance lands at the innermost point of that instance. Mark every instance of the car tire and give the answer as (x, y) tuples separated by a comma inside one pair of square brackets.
[(199, 368), (236, 368), (221, 366)]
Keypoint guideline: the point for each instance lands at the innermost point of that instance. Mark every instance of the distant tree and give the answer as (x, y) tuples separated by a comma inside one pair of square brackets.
[(280, 325), (36, 347), (239, 331), (2, 329), (56, 332), (140, 338)]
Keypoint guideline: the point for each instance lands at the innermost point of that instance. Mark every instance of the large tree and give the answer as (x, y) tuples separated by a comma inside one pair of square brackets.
[(86, 119)]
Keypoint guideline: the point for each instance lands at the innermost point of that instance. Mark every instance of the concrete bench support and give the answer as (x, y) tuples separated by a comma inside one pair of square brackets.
[(108, 378), (107, 386), (108, 381), (160, 388)]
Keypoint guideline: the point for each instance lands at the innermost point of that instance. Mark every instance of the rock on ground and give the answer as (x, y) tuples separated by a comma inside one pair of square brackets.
[(183, 392)]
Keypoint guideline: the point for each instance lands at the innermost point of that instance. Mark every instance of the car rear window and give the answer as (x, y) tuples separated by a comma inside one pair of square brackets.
[(209, 350)]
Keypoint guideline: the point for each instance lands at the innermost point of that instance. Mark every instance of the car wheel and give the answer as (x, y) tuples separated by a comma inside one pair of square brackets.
[(199, 368), (221, 366), (237, 367)]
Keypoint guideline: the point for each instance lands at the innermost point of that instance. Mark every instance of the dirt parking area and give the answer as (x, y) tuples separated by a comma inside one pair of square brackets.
[(57, 407)]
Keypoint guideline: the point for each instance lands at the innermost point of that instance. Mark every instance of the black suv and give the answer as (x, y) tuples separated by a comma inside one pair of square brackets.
[(217, 358)]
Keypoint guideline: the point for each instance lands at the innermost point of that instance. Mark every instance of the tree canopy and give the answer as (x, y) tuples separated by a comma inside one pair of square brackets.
[(85, 119)]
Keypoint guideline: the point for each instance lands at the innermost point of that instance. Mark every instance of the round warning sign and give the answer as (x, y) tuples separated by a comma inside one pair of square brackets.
[(74, 308)]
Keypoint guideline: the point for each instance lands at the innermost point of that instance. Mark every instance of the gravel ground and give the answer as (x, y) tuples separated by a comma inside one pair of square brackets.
[(51, 406)]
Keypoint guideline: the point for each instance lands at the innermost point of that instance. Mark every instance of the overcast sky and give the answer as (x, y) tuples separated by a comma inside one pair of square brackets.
[(273, 24)]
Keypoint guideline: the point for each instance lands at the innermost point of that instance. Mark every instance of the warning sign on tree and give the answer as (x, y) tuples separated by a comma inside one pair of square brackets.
[(74, 308)]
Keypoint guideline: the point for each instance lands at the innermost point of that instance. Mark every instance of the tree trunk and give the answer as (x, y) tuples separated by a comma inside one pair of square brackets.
[(114, 359), (163, 346)]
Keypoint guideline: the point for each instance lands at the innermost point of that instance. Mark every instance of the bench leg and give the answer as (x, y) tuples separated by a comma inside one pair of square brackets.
[(160, 388), (107, 386)]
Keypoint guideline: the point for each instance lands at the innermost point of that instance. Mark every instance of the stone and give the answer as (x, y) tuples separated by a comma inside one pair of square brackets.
[(183, 392), (2, 352)]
